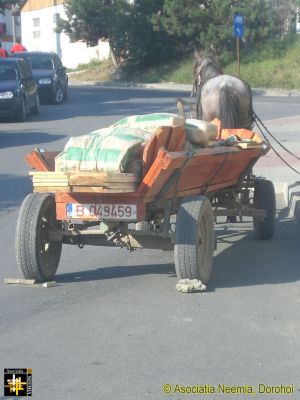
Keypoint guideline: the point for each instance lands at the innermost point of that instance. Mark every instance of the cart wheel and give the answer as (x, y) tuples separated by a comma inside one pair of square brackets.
[(194, 239), (37, 256), (264, 199)]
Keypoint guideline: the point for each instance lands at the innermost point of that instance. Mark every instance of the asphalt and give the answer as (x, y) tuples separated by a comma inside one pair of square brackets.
[(285, 180)]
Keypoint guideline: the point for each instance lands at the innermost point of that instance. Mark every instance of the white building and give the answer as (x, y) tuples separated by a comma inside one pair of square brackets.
[(38, 19)]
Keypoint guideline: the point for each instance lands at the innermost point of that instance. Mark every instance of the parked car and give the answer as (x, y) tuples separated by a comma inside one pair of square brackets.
[(18, 89), (49, 73)]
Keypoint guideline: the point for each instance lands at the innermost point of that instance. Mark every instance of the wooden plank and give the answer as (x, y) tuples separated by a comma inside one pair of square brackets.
[(108, 175), (177, 139), (49, 156), (130, 198), (242, 133), (48, 174), (47, 184), (34, 160), (99, 189), (163, 135), (94, 180), (50, 182), (160, 138), (86, 178), (50, 189), (160, 171)]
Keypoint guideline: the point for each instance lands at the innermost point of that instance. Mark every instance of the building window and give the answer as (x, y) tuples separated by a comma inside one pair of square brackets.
[(36, 34), (36, 22)]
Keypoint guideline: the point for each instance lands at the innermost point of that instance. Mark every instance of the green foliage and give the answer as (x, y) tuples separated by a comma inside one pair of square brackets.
[(274, 64), (209, 24), (144, 33), (91, 20), (4, 3), (143, 43)]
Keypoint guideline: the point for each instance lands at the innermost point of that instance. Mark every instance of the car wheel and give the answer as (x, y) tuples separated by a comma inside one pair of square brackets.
[(21, 112), (66, 94), (35, 108), (58, 95)]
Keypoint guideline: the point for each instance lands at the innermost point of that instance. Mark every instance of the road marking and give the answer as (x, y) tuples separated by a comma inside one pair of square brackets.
[(284, 121)]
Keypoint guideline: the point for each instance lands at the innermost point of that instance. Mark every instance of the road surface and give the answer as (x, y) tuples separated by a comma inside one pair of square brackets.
[(114, 327)]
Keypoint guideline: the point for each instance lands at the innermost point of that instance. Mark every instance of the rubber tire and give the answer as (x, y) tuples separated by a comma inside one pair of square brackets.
[(66, 93), (21, 113), (58, 95), (264, 199), (31, 236), (195, 223), (35, 108)]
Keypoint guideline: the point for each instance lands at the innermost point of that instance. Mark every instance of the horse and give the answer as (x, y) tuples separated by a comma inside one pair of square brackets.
[(221, 96)]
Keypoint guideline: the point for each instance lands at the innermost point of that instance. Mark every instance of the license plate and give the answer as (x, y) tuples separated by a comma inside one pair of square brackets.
[(127, 212)]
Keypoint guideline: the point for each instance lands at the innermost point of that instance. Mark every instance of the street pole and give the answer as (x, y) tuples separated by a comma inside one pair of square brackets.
[(238, 55), (15, 11), (14, 29)]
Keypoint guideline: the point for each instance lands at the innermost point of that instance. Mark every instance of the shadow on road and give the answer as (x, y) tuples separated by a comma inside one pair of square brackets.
[(13, 190), (116, 272), (245, 262), (249, 262), (23, 138)]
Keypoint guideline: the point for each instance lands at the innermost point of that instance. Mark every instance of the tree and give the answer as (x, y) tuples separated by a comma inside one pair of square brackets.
[(208, 24), (127, 26), (91, 20), (146, 45), (6, 4), (147, 32)]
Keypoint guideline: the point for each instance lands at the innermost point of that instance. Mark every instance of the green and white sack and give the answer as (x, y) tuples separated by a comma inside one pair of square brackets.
[(150, 122), (105, 150)]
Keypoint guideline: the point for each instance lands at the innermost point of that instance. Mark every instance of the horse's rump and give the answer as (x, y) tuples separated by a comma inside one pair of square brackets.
[(222, 96)]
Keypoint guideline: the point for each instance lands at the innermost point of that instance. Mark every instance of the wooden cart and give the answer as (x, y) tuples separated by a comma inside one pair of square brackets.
[(172, 207)]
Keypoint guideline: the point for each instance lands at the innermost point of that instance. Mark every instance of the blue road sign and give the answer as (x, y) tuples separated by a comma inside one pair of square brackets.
[(238, 25)]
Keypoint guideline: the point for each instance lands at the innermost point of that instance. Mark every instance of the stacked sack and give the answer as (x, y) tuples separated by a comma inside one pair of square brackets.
[(120, 147)]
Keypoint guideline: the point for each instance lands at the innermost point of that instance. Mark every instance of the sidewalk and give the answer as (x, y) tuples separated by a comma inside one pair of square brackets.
[(171, 86)]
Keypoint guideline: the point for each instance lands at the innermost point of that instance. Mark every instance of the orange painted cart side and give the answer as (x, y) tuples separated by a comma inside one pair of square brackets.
[(173, 206)]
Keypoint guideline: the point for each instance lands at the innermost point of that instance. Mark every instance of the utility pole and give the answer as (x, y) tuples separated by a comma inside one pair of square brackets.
[(15, 12)]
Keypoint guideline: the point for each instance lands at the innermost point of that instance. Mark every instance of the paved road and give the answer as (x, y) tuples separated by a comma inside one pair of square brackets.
[(114, 327)]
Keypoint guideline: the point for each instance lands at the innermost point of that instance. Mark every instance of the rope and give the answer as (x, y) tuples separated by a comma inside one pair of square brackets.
[(275, 151), (276, 140)]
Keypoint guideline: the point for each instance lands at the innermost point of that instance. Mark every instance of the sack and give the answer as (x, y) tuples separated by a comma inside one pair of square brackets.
[(108, 149), (200, 132), (150, 122)]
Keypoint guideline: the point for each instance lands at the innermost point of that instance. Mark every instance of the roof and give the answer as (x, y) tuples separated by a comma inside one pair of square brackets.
[(32, 5), (8, 60)]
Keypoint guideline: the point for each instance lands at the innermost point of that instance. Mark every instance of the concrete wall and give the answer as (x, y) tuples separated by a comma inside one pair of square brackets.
[(41, 36)]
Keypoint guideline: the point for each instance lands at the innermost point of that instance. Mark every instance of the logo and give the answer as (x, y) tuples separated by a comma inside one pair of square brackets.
[(17, 382)]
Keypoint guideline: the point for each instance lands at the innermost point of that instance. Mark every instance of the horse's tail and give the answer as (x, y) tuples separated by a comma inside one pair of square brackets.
[(229, 108)]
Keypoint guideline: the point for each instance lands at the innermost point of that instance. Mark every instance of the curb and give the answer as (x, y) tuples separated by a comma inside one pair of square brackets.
[(171, 86), (290, 193)]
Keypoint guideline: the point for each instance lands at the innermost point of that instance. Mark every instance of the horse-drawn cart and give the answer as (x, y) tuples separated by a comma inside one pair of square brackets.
[(173, 206)]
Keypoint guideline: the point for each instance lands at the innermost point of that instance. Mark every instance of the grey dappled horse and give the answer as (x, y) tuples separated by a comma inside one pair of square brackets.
[(221, 96)]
